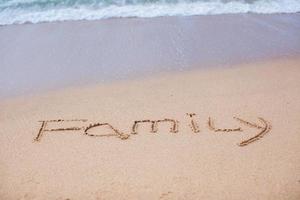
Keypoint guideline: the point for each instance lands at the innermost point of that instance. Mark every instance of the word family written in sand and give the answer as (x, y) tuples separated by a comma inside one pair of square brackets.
[(94, 129)]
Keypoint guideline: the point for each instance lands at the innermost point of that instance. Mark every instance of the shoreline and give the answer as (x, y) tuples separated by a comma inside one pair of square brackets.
[(147, 18), (137, 47)]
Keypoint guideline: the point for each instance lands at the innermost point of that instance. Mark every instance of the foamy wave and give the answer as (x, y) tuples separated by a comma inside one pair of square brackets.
[(15, 15)]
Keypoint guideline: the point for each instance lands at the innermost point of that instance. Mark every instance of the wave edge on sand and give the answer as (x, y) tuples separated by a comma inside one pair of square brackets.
[(31, 13)]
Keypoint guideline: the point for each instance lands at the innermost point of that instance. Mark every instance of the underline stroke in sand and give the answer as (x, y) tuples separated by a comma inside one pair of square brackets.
[(262, 129)]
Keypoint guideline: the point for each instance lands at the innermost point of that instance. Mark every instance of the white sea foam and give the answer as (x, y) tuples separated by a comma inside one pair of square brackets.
[(12, 14)]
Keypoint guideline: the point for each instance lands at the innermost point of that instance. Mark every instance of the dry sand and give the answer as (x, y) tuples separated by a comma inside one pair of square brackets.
[(194, 163)]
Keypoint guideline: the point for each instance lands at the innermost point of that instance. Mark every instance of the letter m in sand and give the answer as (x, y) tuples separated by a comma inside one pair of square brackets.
[(154, 125)]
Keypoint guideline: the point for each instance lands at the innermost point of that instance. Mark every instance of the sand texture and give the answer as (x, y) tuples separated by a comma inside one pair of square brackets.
[(229, 133)]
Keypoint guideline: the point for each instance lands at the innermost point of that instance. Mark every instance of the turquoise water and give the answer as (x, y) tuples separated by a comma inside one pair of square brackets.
[(35, 11)]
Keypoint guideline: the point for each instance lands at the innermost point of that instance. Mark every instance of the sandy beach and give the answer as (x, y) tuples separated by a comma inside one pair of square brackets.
[(206, 109)]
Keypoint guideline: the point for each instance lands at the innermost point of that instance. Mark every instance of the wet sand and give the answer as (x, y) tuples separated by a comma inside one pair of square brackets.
[(225, 128), (56, 55)]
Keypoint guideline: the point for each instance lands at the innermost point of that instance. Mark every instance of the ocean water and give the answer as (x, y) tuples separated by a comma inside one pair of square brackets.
[(35, 11)]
